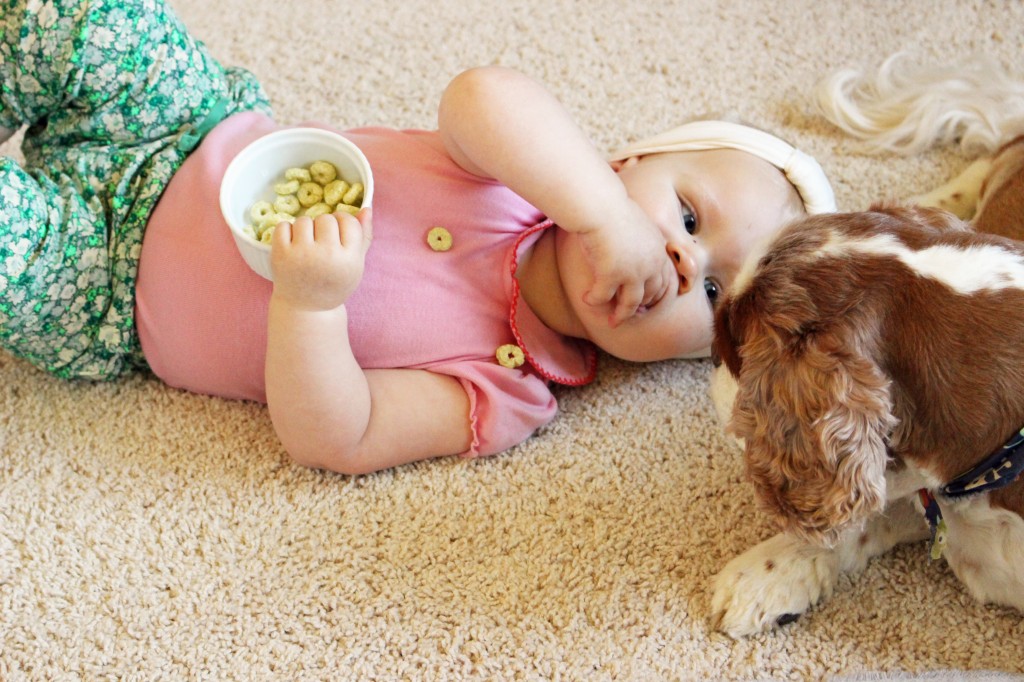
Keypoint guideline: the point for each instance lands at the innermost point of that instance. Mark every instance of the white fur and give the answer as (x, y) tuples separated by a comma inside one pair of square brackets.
[(985, 549), (750, 597), (908, 108), (746, 272), (992, 267)]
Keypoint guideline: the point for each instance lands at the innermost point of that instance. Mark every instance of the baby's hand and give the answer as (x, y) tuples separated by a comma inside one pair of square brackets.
[(630, 264), (318, 263)]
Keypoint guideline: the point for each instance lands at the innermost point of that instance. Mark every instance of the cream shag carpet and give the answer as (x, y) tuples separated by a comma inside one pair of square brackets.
[(150, 534)]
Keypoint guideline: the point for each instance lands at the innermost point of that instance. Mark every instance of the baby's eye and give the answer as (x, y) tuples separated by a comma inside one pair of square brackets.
[(711, 290), (689, 221), (686, 216)]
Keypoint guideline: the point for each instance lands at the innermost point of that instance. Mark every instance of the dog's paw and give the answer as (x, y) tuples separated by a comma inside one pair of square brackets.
[(771, 584)]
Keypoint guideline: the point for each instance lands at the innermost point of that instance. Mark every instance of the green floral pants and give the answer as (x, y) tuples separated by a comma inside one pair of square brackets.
[(113, 93)]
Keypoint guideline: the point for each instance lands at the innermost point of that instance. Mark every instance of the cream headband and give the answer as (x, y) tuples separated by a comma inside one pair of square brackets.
[(802, 171)]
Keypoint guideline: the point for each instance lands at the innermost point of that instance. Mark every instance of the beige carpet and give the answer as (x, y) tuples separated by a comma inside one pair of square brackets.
[(150, 534)]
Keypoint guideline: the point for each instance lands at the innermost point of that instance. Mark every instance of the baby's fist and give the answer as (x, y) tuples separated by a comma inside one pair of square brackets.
[(318, 263)]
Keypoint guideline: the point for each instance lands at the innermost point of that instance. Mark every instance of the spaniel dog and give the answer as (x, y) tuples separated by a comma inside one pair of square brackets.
[(873, 365)]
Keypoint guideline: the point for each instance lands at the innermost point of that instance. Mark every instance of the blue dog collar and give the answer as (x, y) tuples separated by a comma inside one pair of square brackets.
[(999, 470)]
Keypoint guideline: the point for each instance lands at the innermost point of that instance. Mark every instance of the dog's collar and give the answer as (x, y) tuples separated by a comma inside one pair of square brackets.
[(1000, 469)]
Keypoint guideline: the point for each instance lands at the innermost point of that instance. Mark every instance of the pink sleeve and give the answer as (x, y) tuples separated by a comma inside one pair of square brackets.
[(506, 405)]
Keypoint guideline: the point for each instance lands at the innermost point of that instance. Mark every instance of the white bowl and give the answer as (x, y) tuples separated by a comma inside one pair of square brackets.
[(252, 174)]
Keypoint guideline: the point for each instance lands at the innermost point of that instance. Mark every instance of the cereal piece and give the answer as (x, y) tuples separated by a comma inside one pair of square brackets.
[(310, 193), (323, 172), (354, 194), (510, 355), (439, 239), (300, 174), (272, 221), (261, 210), (317, 210), (317, 189), (334, 191), (287, 204)]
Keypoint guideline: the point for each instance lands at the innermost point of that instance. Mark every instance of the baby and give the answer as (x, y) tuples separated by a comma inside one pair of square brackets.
[(371, 348)]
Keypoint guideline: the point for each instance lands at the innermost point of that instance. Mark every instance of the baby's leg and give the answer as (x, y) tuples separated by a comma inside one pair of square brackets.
[(55, 275), (37, 65), (119, 72)]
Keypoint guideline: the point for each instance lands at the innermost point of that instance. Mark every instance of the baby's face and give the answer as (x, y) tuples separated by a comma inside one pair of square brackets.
[(712, 208)]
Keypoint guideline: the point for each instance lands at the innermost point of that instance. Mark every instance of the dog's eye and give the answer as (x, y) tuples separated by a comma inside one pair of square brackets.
[(712, 291)]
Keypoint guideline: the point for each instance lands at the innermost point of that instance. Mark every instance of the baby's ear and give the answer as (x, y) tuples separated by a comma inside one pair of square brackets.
[(619, 164)]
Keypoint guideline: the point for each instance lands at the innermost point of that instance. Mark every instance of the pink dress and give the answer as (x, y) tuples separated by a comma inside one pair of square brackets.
[(202, 313)]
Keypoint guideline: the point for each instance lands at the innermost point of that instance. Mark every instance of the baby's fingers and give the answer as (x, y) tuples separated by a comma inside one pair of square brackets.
[(602, 291), (282, 235), (627, 300), (351, 232), (365, 218)]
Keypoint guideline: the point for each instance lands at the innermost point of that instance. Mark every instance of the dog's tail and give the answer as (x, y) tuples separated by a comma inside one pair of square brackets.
[(907, 108)]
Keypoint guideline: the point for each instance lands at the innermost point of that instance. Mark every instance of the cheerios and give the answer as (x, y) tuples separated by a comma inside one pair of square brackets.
[(270, 223), (439, 238), (261, 210), (289, 187), (300, 174), (323, 172), (310, 193), (354, 194), (287, 203), (317, 210), (510, 355), (334, 191)]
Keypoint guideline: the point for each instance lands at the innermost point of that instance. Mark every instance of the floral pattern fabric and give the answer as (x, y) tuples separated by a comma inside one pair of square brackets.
[(107, 88)]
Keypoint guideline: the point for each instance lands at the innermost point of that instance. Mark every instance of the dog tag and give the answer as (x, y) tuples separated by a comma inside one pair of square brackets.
[(938, 539)]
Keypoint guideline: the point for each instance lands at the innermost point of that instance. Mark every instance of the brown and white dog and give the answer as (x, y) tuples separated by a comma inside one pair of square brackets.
[(873, 364)]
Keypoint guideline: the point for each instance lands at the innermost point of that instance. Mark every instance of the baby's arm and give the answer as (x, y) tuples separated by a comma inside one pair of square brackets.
[(327, 411), (498, 123)]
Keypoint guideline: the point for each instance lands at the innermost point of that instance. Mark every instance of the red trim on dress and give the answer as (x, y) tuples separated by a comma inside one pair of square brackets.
[(514, 265)]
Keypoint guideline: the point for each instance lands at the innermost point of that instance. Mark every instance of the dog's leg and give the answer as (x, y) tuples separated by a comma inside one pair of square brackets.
[(1001, 205), (959, 195), (782, 577), (985, 549)]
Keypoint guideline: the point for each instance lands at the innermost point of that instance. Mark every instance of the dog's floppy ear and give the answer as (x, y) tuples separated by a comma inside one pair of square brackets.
[(724, 346), (814, 411)]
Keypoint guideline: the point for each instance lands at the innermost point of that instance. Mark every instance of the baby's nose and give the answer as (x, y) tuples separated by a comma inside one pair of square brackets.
[(685, 264)]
